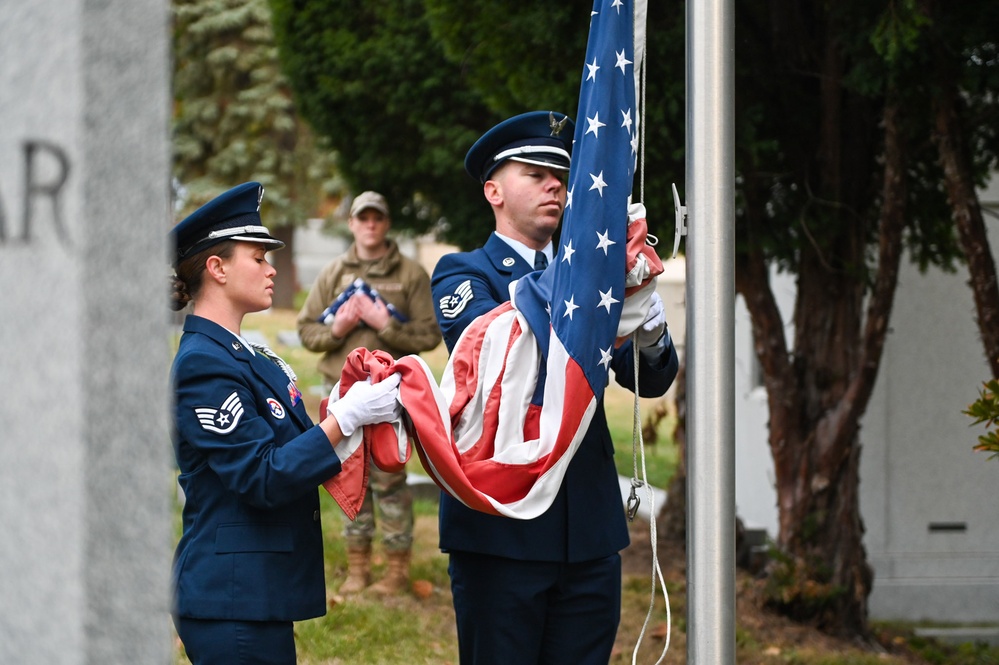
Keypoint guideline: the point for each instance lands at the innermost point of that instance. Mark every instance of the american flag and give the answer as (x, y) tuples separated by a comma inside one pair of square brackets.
[(588, 288), (524, 381)]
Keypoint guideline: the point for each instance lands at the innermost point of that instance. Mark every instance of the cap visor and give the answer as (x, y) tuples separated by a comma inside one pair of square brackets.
[(264, 240), (553, 161)]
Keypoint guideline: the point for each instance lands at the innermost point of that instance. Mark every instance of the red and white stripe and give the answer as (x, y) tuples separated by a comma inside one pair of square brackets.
[(477, 433)]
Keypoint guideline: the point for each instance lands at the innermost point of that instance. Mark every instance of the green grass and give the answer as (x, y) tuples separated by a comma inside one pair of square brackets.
[(405, 629), (660, 456)]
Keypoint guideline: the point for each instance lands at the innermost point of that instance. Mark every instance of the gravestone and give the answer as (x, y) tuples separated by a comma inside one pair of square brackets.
[(85, 477)]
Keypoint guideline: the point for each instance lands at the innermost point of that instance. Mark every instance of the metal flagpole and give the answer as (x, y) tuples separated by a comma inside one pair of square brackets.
[(711, 322)]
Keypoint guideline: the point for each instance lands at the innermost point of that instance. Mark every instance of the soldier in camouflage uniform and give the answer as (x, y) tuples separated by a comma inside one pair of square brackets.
[(390, 311)]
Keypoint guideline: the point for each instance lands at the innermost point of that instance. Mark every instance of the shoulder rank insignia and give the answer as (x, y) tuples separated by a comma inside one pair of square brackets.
[(223, 419), (453, 305)]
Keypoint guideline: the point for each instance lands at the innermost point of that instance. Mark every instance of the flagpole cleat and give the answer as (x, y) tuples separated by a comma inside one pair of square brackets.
[(681, 221)]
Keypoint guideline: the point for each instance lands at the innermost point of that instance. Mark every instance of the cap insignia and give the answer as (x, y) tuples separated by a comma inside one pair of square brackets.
[(556, 125)]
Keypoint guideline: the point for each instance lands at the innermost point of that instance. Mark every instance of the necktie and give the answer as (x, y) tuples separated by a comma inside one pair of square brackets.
[(540, 261)]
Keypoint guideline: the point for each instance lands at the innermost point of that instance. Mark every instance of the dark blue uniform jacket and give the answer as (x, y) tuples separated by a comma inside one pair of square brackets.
[(586, 521), (250, 463)]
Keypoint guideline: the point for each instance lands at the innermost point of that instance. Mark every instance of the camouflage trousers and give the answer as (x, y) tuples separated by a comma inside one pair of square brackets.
[(394, 499)]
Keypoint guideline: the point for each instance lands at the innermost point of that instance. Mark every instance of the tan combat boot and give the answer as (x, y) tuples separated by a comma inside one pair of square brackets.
[(396, 578), (358, 571)]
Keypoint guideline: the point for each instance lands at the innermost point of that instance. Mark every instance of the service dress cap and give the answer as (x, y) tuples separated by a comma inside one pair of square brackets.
[(537, 137), (232, 215)]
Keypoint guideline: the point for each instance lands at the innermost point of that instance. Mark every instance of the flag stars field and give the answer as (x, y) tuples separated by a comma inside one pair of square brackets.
[(602, 166)]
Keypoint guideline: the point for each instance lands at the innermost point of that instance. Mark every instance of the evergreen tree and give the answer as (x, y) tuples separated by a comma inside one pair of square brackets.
[(234, 120), (402, 88), (371, 78)]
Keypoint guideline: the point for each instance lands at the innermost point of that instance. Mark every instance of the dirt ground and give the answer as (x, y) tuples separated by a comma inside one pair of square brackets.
[(762, 637)]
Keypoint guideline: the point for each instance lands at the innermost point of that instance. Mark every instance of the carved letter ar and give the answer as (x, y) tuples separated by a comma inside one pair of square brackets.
[(34, 187)]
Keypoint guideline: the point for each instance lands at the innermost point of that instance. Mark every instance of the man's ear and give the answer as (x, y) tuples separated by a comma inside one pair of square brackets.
[(493, 192)]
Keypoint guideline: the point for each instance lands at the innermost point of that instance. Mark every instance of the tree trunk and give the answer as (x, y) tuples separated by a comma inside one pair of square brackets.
[(967, 214), (286, 282), (816, 398), (820, 573)]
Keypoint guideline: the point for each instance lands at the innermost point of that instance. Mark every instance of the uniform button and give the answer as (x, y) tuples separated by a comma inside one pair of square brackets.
[(315, 516)]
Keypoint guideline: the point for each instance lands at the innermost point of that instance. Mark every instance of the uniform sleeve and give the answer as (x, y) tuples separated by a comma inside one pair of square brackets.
[(461, 293), (420, 333), (655, 374), (316, 336), (266, 462)]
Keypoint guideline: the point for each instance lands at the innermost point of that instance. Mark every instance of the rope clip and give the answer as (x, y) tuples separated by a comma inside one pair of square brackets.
[(633, 500)]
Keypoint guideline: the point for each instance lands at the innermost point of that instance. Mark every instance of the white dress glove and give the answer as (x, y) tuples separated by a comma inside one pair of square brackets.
[(654, 324), (366, 403)]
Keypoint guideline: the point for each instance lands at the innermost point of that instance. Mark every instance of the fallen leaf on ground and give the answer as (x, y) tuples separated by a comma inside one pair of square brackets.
[(422, 589)]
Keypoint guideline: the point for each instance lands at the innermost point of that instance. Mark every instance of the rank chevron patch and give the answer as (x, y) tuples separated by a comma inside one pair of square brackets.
[(223, 419), (452, 305)]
